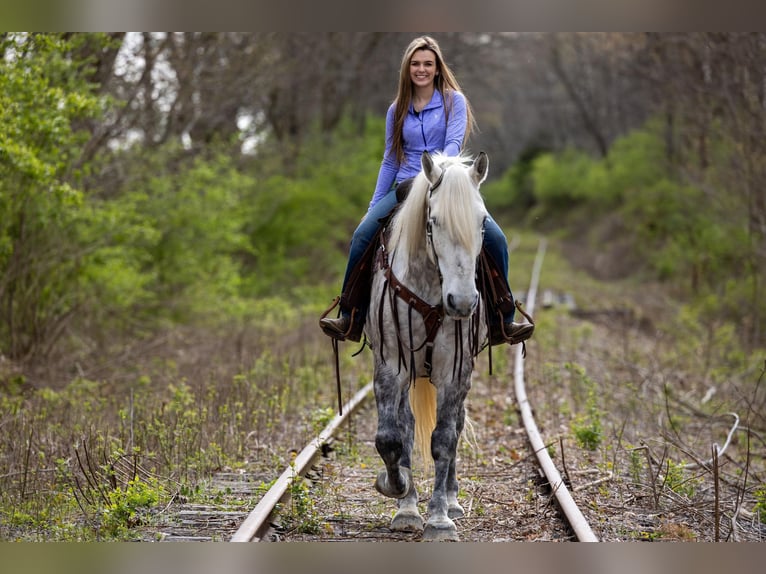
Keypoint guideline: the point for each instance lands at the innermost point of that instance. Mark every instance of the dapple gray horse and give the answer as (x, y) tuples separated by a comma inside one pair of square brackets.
[(425, 325)]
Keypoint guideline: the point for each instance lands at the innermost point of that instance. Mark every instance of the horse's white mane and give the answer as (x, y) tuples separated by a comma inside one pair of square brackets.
[(454, 203)]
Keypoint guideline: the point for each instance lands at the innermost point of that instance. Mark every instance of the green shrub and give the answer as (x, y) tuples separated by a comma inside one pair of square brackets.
[(130, 507), (678, 480)]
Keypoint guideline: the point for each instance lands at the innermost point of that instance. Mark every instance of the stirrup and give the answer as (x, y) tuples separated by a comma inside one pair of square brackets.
[(352, 333), (498, 334)]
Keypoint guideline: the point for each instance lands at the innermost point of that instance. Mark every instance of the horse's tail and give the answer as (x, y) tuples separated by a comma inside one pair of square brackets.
[(423, 404)]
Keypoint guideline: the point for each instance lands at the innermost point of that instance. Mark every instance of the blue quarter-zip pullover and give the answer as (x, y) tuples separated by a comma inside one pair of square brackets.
[(423, 131)]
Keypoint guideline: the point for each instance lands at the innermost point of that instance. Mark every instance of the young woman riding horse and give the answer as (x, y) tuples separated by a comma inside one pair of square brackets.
[(430, 113)]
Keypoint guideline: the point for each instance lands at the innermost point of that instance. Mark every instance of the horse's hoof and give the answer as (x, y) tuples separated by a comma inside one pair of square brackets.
[(384, 487), (446, 533), (407, 521), (455, 510)]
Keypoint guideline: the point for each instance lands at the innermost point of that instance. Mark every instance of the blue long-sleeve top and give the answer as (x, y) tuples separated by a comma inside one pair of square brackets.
[(427, 130)]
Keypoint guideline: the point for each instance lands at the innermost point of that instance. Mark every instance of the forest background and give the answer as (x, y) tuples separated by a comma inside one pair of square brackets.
[(161, 188)]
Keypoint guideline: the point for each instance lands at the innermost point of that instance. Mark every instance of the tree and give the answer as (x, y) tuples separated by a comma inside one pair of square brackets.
[(712, 88), (43, 93)]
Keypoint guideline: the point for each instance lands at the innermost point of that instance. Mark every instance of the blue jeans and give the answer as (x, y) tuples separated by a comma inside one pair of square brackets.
[(366, 230), (494, 242)]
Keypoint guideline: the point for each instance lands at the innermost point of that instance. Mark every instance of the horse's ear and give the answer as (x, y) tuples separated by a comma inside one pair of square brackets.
[(480, 167), (427, 163)]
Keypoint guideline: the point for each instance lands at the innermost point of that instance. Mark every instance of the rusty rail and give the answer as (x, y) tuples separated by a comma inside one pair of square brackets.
[(256, 522), (567, 504)]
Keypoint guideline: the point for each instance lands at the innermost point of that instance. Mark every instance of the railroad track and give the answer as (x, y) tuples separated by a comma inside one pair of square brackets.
[(257, 523)]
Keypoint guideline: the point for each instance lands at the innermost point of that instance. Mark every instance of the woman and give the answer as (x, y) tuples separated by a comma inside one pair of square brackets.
[(429, 113)]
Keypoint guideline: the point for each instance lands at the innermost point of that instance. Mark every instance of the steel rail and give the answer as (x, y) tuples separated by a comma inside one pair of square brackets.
[(255, 525), (567, 504)]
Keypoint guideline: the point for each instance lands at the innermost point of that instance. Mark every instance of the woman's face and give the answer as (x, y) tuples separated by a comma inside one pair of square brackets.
[(423, 68)]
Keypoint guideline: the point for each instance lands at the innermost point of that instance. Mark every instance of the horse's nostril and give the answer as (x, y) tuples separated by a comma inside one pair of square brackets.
[(451, 301)]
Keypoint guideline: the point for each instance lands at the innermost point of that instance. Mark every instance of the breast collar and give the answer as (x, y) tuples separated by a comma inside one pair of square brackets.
[(433, 315)]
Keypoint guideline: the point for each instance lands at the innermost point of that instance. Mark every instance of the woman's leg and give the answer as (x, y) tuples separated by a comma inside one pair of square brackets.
[(497, 246), (364, 233), (505, 331), (355, 290)]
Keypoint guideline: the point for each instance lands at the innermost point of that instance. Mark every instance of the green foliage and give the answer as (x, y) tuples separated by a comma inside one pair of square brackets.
[(637, 160), (559, 180), (513, 192), (586, 426), (677, 480), (303, 513), (300, 226), (705, 338), (572, 178), (679, 224), (760, 502), (43, 95), (69, 455), (178, 239), (320, 418), (130, 507), (187, 231), (587, 431), (681, 235)]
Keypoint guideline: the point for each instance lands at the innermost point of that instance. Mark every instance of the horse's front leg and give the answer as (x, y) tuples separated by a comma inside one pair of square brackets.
[(444, 450), (407, 517), (454, 509), (396, 480)]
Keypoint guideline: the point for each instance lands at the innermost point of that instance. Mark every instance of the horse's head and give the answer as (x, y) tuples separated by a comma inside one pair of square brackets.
[(455, 226)]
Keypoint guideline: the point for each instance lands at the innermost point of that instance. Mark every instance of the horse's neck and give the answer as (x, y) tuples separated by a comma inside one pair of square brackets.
[(420, 275)]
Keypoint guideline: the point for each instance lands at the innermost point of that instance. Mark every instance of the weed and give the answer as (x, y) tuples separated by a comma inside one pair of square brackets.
[(130, 507), (531, 492), (760, 502), (648, 535), (551, 450), (677, 481), (302, 510), (320, 418), (636, 466), (587, 433), (586, 427)]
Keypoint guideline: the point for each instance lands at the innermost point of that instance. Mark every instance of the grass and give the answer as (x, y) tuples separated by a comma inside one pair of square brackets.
[(95, 459), (631, 366)]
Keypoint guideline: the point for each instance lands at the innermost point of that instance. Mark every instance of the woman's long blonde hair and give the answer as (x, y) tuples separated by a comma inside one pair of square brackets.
[(444, 81)]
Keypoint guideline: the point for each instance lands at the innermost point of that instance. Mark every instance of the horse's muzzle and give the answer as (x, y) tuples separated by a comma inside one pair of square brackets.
[(461, 306)]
